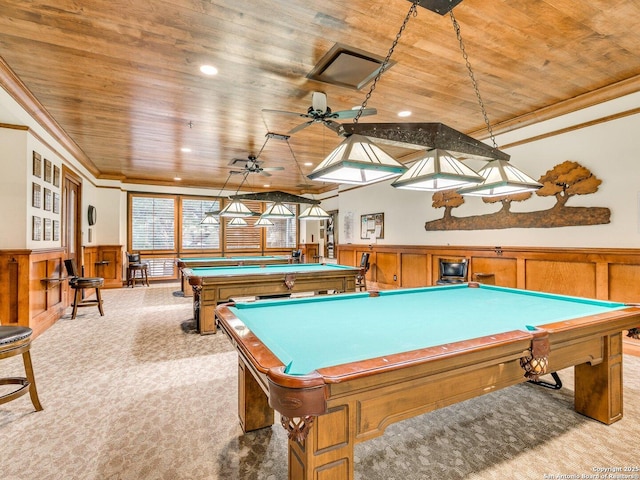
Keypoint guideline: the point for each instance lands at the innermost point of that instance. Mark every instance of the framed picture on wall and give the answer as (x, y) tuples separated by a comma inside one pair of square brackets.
[(37, 165), (56, 230), (56, 202), (372, 226), (48, 199), (48, 229), (36, 195), (56, 176), (48, 172), (36, 228)]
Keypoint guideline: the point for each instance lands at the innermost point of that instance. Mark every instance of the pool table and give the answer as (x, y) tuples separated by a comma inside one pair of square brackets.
[(341, 368), (194, 262), (212, 286)]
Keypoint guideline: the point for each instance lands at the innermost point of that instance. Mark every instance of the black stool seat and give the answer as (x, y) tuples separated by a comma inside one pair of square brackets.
[(86, 282), (16, 340), (10, 334), (79, 284)]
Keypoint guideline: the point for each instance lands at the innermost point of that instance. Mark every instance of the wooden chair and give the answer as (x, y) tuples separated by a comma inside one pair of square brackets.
[(79, 284), (16, 340), (453, 271), (135, 265), (361, 278)]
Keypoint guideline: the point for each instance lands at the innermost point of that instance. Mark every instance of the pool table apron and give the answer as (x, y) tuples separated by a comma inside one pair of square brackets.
[(326, 420)]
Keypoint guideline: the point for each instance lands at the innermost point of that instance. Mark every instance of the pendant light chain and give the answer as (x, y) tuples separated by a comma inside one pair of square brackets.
[(413, 11), (456, 27)]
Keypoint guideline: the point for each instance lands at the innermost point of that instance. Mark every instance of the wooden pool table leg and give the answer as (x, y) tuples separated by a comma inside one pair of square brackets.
[(253, 405), (327, 451), (598, 388)]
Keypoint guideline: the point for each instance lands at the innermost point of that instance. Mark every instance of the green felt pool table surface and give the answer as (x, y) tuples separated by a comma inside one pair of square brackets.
[(352, 327)]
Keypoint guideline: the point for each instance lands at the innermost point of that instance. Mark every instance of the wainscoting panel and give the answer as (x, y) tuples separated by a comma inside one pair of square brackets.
[(505, 270), (564, 278), (414, 269), (624, 283)]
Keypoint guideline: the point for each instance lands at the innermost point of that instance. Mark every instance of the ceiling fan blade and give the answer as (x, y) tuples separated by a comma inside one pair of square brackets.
[(264, 174), (273, 169), (335, 126), (299, 127), (352, 113), (282, 112)]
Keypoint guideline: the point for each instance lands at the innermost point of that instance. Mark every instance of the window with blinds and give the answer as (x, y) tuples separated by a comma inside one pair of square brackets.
[(153, 221), (196, 236), (171, 224), (244, 237), (284, 232)]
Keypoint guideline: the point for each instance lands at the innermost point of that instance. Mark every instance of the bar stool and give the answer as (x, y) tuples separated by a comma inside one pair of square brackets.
[(361, 277), (16, 341), (79, 284), (135, 265)]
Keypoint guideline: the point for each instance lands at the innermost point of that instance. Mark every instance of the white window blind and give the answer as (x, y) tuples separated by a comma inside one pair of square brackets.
[(196, 236), (244, 238), (152, 223), (283, 233)]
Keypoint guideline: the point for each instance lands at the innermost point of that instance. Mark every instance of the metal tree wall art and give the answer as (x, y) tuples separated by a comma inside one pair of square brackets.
[(562, 182)]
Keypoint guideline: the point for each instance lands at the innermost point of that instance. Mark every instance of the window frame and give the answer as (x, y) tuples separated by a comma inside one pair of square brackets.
[(179, 251)]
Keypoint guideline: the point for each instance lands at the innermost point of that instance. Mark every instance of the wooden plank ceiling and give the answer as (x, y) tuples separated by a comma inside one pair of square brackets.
[(122, 80)]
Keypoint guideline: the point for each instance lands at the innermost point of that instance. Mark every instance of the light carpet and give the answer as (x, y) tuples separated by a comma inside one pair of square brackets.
[(134, 396)]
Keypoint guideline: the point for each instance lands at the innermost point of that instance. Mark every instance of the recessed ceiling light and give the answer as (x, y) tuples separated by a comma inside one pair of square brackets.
[(177, 179), (404, 113), (307, 164), (209, 70), (266, 185), (185, 149)]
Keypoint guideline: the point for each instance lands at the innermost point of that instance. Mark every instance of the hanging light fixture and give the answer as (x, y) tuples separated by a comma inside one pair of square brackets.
[(500, 177), (210, 219), (263, 222), (437, 170), (237, 222), (357, 160), (314, 212), (277, 210), (236, 208)]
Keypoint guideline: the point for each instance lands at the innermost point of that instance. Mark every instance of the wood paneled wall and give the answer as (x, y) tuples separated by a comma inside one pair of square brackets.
[(105, 261), (606, 274), (34, 291)]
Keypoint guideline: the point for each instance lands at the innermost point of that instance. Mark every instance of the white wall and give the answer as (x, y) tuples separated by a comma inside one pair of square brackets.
[(13, 189)]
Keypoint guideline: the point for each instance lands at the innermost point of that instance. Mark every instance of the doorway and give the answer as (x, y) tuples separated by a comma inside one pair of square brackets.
[(71, 216)]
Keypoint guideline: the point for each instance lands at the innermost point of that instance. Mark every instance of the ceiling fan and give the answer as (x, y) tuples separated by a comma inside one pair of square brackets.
[(251, 164), (319, 112)]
